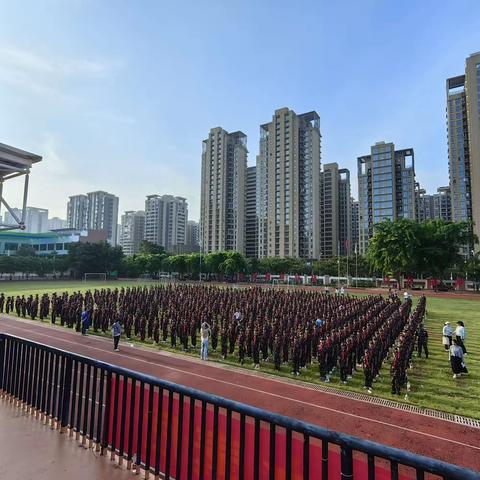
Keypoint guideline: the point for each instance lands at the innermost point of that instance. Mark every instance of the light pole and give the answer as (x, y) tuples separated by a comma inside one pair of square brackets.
[(356, 265)]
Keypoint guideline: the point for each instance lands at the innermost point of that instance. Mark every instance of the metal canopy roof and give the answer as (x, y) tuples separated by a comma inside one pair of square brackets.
[(14, 161)]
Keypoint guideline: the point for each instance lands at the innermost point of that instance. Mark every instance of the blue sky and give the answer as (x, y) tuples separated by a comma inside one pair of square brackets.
[(118, 95)]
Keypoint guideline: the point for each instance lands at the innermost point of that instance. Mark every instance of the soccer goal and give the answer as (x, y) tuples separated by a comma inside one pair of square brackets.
[(99, 277)]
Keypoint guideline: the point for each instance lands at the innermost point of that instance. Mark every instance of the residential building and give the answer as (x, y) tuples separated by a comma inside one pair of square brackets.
[(435, 206), (193, 236), (132, 231), (442, 204), (335, 212), (463, 120), (251, 237), (288, 186), (77, 208), (386, 188), (56, 223), (36, 220), (354, 211), (102, 214), (344, 212), (166, 219), (222, 214)]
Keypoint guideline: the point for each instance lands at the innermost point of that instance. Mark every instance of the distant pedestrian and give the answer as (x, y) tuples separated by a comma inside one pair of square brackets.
[(422, 337), (460, 336), (447, 335), (116, 332), (205, 334), (85, 321), (456, 360)]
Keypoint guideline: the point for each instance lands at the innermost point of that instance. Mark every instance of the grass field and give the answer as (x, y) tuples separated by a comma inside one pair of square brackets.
[(432, 385)]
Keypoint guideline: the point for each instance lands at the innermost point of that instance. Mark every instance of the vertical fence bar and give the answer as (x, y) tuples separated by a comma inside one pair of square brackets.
[(241, 450), (306, 456), (133, 390), (202, 439), (371, 467), (420, 474), (394, 470), (106, 413), (66, 393), (15, 369), (180, 436), (98, 434), (11, 347), (44, 375), (27, 373), (256, 451), (80, 400), (228, 444), (54, 389), (2, 362), (191, 426), (288, 454), (148, 449), (36, 395), (158, 445), (140, 425), (22, 374), (51, 362), (74, 395), (123, 418), (61, 388), (93, 407), (86, 404), (324, 459), (215, 442), (169, 435), (115, 417), (271, 460), (346, 462)]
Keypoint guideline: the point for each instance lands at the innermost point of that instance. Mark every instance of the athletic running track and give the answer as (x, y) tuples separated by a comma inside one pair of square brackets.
[(432, 437)]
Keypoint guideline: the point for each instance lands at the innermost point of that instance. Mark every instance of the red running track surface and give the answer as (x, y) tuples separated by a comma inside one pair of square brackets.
[(420, 434)]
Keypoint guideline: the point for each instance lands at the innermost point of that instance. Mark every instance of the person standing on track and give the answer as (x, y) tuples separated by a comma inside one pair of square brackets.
[(205, 334), (116, 332)]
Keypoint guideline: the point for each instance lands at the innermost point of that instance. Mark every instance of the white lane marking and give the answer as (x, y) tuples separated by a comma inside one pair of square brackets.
[(392, 425)]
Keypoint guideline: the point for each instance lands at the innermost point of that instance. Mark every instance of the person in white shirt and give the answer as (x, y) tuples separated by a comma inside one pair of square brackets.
[(460, 336), (447, 335), (205, 334), (406, 295)]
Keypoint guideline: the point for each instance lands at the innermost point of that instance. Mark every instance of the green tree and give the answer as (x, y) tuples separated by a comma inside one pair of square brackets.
[(94, 258), (234, 263), (25, 251), (394, 248), (150, 248)]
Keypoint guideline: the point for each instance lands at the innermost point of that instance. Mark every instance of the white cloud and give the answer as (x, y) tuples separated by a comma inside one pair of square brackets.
[(49, 75)]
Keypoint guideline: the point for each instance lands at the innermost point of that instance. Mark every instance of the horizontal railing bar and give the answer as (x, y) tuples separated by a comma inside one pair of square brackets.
[(390, 453)]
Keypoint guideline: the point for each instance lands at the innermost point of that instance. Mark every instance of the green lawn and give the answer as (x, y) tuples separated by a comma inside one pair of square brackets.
[(432, 385)]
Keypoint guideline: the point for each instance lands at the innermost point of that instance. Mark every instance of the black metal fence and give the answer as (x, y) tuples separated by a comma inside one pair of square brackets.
[(177, 432)]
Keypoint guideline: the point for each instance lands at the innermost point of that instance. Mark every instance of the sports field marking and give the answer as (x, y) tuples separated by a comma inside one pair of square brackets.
[(263, 392)]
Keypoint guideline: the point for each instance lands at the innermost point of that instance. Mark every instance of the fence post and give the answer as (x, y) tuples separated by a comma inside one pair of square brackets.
[(65, 392), (346, 463), (2, 363)]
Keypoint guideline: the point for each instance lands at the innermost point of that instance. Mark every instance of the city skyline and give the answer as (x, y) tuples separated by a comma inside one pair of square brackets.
[(59, 93)]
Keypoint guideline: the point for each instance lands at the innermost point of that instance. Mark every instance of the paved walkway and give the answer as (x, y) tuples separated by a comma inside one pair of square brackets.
[(30, 450), (433, 437)]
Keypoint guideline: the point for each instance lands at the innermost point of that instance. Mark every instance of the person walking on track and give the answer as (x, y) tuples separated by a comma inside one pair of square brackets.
[(116, 332)]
